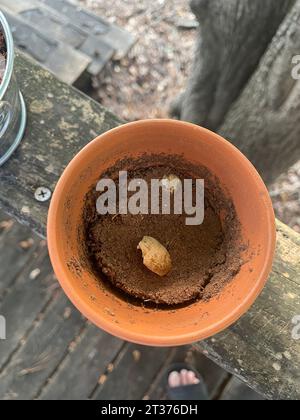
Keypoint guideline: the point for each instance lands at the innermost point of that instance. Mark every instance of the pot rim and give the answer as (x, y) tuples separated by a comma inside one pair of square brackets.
[(144, 338), (10, 55)]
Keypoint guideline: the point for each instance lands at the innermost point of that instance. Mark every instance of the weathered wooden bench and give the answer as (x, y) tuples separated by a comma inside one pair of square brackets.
[(263, 348)]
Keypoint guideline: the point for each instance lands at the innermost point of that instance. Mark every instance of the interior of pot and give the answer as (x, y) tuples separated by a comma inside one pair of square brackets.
[(108, 310)]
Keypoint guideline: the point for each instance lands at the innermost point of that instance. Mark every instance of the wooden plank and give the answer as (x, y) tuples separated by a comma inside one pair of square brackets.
[(59, 27), (42, 351), (64, 61), (60, 118), (78, 375), (120, 40), (22, 305), (53, 24), (17, 246), (261, 349), (96, 48), (134, 371), (237, 391)]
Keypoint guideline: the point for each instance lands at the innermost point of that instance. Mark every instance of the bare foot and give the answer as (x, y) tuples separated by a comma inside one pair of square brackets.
[(182, 378)]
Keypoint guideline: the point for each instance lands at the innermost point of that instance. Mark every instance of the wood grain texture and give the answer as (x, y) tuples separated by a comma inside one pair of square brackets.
[(17, 247), (33, 364), (78, 375), (136, 367)]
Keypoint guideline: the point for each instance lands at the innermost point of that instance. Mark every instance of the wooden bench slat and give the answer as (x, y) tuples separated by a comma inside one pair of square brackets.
[(23, 304), (137, 366), (42, 352), (117, 38), (12, 256), (78, 375), (87, 51), (64, 61)]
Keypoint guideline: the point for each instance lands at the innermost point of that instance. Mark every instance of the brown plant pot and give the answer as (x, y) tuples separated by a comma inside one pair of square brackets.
[(106, 309)]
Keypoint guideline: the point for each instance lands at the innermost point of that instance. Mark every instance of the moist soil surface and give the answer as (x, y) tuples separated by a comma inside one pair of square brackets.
[(204, 257)]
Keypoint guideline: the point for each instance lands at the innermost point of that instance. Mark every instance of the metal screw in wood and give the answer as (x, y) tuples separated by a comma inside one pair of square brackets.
[(42, 194)]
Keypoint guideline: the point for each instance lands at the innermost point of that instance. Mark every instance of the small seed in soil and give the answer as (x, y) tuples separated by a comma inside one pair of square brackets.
[(155, 256)]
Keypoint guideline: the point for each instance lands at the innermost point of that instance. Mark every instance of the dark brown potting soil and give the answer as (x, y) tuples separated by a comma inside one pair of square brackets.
[(3, 56), (204, 257)]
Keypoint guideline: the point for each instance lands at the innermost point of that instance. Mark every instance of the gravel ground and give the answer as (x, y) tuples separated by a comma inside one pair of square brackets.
[(143, 84)]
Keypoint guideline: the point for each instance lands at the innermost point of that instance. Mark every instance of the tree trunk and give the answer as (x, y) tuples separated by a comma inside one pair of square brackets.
[(241, 83), (233, 36), (264, 123)]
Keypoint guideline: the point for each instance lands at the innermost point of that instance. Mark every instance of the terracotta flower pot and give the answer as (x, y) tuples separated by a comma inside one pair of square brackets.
[(108, 311)]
